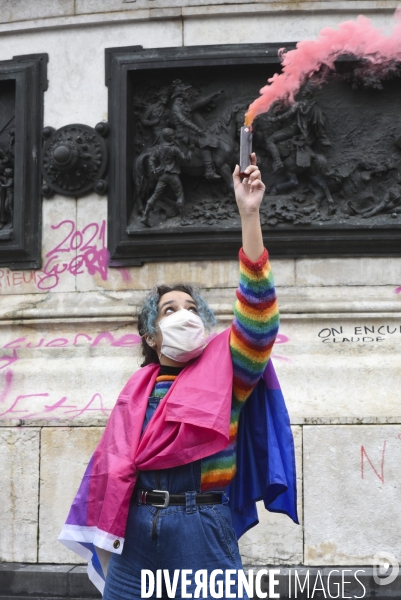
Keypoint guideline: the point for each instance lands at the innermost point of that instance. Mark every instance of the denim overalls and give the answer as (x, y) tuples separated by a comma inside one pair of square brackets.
[(177, 537)]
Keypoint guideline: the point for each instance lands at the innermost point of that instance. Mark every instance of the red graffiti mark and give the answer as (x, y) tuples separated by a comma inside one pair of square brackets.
[(12, 279), (399, 436), (96, 397), (92, 257), (6, 361), (363, 454), (398, 290)]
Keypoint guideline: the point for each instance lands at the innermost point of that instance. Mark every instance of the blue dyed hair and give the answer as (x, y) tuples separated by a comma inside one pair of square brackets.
[(148, 314)]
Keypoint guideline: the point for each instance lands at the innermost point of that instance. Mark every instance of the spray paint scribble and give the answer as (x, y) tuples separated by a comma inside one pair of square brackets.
[(92, 255), (359, 39)]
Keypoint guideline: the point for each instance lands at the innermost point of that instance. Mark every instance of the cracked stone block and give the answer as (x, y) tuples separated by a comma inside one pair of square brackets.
[(105, 6), (69, 373), (19, 460), (342, 368), (348, 271), (65, 453), (256, 28), (19, 10), (352, 490), (276, 539)]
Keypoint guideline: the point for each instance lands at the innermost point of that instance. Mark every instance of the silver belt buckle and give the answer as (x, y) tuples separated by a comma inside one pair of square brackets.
[(166, 499)]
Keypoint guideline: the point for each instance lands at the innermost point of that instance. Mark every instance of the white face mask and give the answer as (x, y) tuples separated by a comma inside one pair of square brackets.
[(183, 335)]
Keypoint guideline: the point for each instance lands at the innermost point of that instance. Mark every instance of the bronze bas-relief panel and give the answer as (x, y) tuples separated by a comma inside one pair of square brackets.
[(23, 81), (331, 161)]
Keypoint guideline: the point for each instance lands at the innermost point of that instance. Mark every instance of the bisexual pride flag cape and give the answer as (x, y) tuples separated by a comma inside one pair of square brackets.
[(192, 421)]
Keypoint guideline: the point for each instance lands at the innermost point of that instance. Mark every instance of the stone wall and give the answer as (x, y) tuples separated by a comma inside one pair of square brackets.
[(69, 340)]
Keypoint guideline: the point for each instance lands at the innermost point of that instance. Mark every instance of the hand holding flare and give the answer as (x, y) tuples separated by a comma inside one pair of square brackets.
[(249, 195)]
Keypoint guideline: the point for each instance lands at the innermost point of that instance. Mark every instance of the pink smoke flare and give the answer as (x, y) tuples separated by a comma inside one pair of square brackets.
[(359, 38)]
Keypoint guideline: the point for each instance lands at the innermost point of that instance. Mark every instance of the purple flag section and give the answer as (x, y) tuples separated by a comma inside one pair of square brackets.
[(191, 422)]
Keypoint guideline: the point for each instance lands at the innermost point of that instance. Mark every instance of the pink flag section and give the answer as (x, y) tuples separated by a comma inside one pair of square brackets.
[(191, 422)]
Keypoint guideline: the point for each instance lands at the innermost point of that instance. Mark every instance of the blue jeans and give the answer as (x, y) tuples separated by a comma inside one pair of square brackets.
[(177, 537)]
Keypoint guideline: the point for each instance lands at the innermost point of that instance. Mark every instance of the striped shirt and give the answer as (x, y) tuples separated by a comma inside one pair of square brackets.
[(253, 332)]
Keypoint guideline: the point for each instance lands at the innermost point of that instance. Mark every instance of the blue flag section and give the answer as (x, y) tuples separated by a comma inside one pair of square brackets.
[(265, 457)]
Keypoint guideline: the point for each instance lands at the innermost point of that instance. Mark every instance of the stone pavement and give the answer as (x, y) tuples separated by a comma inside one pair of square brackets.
[(45, 582)]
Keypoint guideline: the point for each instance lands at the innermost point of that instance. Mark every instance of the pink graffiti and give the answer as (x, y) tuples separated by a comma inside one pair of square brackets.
[(7, 387), (104, 337), (11, 409), (97, 402), (51, 408), (363, 454), (126, 340), (92, 255), (16, 405), (6, 361), (279, 357), (281, 339), (398, 290), (125, 274)]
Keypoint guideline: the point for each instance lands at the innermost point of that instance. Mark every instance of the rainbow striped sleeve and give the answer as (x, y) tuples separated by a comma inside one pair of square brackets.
[(255, 325), (253, 332)]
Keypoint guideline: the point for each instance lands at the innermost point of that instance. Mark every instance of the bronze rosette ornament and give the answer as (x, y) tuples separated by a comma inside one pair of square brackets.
[(74, 160)]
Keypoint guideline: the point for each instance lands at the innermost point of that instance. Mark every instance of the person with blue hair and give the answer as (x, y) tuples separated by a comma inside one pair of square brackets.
[(169, 453)]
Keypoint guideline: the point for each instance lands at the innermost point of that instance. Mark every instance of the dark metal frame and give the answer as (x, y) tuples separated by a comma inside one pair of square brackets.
[(23, 248), (215, 244)]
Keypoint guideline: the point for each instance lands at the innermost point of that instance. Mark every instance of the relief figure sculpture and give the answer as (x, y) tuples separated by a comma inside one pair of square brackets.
[(391, 202), (7, 145), (156, 115), (173, 125), (303, 120), (191, 128), (315, 166), (6, 198), (295, 149), (164, 162)]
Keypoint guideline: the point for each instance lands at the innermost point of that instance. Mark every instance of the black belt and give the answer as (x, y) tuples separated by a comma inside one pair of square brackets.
[(162, 498)]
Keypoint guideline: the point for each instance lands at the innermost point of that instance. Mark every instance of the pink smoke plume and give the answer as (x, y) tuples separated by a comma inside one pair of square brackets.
[(359, 38)]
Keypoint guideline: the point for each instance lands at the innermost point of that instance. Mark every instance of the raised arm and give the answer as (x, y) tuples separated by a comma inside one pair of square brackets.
[(256, 316), (255, 324)]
